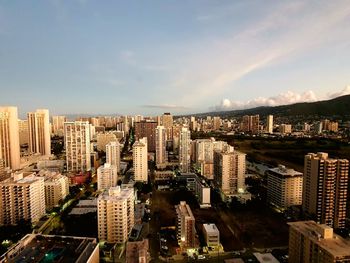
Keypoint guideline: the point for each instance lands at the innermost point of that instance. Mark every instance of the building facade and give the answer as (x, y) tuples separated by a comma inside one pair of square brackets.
[(184, 150), (107, 176), (77, 145), (39, 132), (147, 128), (161, 155), (140, 161), (325, 188), (185, 225), (113, 154)]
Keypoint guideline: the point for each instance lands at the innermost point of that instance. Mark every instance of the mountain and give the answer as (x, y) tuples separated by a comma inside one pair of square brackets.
[(339, 106)]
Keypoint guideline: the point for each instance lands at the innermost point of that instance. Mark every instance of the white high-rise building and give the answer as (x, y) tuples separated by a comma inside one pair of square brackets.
[(184, 152), (56, 188), (140, 161), (39, 132), (9, 137), (229, 171), (284, 187), (107, 176), (269, 124), (113, 154), (22, 198), (115, 209), (161, 135), (58, 125), (77, 145)]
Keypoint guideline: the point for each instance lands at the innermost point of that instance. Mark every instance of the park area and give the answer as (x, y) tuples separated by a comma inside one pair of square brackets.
[(250, 226)]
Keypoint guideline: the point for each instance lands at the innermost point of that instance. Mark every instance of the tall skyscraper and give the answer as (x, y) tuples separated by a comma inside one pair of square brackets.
[(107, 176), (23, 132), (77, 145), (39, 132), (9, 137), (58, 125), (314, 243), (269, 124), (22, 198), (216, 123), (147, 129), (325, 189), (115, 210), (167, 121), (113, 154), (185, 225), (140, 160), (184, 152), (251, 124), (161, 146), (229, 171)]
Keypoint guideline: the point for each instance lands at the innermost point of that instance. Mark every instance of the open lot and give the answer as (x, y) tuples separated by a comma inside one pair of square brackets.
[(245, 228)]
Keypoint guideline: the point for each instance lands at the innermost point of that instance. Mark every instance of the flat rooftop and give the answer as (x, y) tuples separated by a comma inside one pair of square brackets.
[(211, 228), (265, 258), (284, 172), (47, 248), (323, 236)]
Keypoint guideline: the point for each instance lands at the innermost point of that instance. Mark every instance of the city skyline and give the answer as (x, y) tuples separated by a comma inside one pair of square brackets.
[(127, 58)]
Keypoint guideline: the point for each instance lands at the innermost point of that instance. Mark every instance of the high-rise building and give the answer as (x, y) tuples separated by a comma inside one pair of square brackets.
[(103, 139), (161, 135), (229, 171), (186, 231), (269, 124), (310, 242), (167, 121), (147, 129), (140, 160), (22, 198), (58, 125), (9, 137), (284, 187), (325, 189), (23, 132), (184, 152), (115, 209), (39, 132), (216, 123), (56, 188), (77, 145), (251, 124), (285, 128), (113, 154), (107, 176)]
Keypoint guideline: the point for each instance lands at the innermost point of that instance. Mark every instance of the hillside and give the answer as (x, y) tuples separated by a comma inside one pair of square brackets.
[(339, 106)]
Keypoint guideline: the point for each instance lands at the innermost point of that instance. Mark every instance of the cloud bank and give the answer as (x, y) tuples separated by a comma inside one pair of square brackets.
[(285, 98)]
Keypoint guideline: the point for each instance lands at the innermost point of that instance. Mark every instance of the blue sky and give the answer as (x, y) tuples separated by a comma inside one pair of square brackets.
[(148, 57)]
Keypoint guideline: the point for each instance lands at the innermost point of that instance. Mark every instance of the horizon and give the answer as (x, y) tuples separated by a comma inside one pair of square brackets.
[(131, 58)]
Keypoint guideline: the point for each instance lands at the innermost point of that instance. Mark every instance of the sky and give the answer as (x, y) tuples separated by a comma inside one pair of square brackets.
[(150, 57)]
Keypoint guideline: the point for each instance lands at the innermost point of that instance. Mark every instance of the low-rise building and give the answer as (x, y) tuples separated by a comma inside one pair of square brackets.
[(137, 252), (211, 235)]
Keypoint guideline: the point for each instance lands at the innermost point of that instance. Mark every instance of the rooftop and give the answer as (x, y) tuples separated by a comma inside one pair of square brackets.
[(47, 248), (265, 258), (283, 171), (211, 228), (323, 236)]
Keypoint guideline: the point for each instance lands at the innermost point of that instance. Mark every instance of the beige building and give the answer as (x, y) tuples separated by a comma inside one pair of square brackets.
[(107, 176), (310, 242), (285, 128), (137, 252), (56, 188), (58, 125), (216, 123), (9, 137), (103, 139), (113, 154), (185, 150), (77, 145), (167, 121), (140, 161), (284, 187), (186, 231), (39, 132), (161, 155), (23, 132), (115, 209), (250, 123), (211, 235), (229, 171), (269, 124), (325, 188), (22, 198)]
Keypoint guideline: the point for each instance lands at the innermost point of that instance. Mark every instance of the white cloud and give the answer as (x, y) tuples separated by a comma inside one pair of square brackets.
[(285, 98)]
